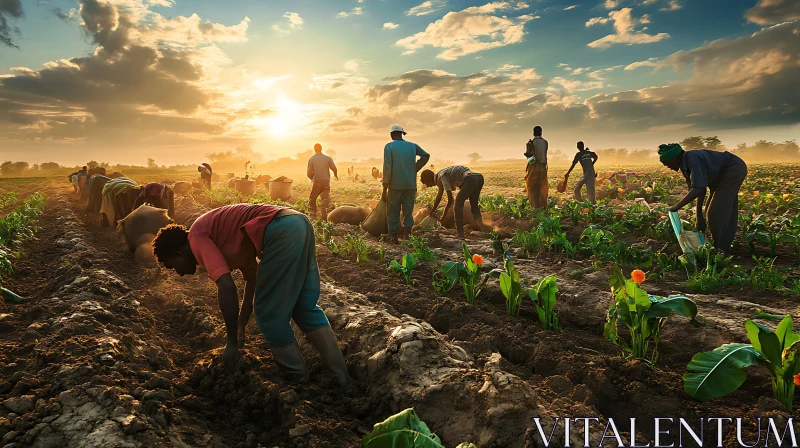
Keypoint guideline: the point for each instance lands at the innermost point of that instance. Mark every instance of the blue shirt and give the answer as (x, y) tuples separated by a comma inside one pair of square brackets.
[(702, 167), (400, 164)]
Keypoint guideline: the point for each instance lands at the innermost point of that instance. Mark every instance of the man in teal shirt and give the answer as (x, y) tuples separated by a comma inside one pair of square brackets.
[(400, 166)]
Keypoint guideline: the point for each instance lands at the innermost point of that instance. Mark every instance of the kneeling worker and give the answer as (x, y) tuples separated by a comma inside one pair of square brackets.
[(283, 285), (723, 174), (469, 184)]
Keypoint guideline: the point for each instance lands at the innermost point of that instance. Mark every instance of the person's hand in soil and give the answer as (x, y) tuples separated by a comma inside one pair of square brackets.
[(230, 355)]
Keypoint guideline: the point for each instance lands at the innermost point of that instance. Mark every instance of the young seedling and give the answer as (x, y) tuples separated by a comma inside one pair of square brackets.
[(420, 249), (643, 314), (510, 286), (405, 266), (721, 371), (544, 296), (441, 284)]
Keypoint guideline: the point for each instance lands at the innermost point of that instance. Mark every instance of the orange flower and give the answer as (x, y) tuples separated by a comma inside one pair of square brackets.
[(797, 380), (477, 259), (637, 276), (619, 190), (586, 210), (756, 193)]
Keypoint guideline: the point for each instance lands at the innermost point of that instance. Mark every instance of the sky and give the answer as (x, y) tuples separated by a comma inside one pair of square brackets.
[(126, 80)]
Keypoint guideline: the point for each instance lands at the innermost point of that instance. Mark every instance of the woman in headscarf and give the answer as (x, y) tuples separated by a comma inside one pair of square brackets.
[(723, 174)]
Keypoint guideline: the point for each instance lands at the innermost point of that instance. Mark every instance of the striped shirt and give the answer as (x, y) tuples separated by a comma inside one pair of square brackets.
[(450, 178)]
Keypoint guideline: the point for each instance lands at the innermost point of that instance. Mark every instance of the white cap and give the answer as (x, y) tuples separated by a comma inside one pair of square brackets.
[(397, 128)]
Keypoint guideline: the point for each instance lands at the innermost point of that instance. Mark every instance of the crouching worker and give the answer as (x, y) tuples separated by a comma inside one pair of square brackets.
[(469, 184), (283, 285), (723, 174)]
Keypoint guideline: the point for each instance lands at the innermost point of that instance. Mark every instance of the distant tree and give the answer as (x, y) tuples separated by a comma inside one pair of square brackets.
[(693, 143), (35, 167), (92, 164), (712, 142), (20, 167), (474, 157), (46, 166), (741, 147), (6, 168), (151, 163)]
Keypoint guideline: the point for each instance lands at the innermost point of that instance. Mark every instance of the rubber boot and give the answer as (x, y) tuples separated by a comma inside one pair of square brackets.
[(325, 341), (290, 360)]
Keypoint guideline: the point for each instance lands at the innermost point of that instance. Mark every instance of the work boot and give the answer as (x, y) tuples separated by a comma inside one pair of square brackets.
[(406, 233), (393, 238), (325, 341), (290, 360)]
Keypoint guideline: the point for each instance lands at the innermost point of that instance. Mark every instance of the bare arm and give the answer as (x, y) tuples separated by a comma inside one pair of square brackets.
[(423, 158), (438, 199), (333, 168), (570, 169), (310, 170), (449, 202), (247, 302), (229, 305), (693, 194)]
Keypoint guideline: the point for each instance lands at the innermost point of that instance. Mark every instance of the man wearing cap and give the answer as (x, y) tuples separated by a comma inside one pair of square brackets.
[(400, 166), (723, 174), (319, 168), (536, 170)]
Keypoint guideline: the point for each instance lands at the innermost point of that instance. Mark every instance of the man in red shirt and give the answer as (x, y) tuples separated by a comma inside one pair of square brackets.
[(283, 285)]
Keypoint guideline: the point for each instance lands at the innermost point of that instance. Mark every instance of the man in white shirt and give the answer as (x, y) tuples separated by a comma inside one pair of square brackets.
[(536, 171)]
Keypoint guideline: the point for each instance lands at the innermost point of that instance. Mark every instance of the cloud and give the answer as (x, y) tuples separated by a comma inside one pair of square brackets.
[(652, 62), (292, 20), (767, 12), (427, 7), (471, 30), (357, 11), (624, 30), (611, 4), (9, 9), (390, 26), (148, 77), (744, 82), (570, 7), (673, 5)]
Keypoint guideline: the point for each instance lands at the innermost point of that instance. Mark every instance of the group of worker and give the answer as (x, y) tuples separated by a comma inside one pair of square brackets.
[(274, 246)]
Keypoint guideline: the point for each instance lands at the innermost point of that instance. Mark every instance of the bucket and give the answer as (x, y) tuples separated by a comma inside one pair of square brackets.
[(280, 190), (246, 186)]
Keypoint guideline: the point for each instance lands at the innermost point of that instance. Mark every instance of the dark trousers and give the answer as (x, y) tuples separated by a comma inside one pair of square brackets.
[(320, 187), (470, 189), (722, 211)]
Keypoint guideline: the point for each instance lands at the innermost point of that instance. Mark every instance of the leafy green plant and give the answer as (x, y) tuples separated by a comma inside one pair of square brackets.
[(325, 232), (510, 286), (765, 275), (721, 371), (355, 245), (707, 270), (420, 249), (467, 272), (404, 267), (441, 284), (544, 296), (16, 227), (531, 242), (642, 314)]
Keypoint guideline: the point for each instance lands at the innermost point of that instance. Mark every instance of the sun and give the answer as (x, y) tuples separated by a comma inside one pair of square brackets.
[(287, 117)]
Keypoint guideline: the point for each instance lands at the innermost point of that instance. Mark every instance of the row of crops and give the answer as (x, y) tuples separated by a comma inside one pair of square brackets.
[(15, 227)]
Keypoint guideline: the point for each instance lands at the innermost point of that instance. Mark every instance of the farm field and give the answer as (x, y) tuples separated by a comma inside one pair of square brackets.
[(106, 351)]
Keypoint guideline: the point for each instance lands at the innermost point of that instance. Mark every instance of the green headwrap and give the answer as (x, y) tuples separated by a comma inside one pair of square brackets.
[(669, 151)]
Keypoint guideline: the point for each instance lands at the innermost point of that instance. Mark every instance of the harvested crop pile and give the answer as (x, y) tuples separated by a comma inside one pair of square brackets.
[(282, 179)]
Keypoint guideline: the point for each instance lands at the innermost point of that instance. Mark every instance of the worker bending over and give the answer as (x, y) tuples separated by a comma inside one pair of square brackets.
[(469, 184), (274, 249)]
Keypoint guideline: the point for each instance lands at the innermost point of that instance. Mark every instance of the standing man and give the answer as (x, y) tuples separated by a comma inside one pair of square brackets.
[(319, 167), (723, 174), (587, 159), (284, 285), (469, 184), (400, 166), (536, 171)]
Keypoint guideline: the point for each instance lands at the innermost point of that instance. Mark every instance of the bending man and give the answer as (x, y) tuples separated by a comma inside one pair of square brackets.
[(469, 184), (723, 174), (283, 285)]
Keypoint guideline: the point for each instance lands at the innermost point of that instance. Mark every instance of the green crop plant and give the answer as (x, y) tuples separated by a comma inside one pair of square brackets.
[(643, 315), (16, 227), (441, 284), (510, 286), (325, 232), (531, 241), (355, 245), (8, 199), (544, 296), (420, 249), (498, 246), (404, 267), (721, 371), (765, 275), (708, 269), (466, 272)]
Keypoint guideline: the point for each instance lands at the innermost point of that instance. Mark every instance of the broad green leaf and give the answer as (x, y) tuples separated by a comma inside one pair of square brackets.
[(496, 272), (682, 306), (395, 265), (467, 255), (770, 348), (409, 262), (616, 279), (753, 330), (506, 285), (452, 270), (783, 329), (719, 372), (547, 289)]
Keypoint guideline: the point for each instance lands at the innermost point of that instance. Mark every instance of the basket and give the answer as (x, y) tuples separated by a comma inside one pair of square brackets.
[(281, 190), (246, 186)]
